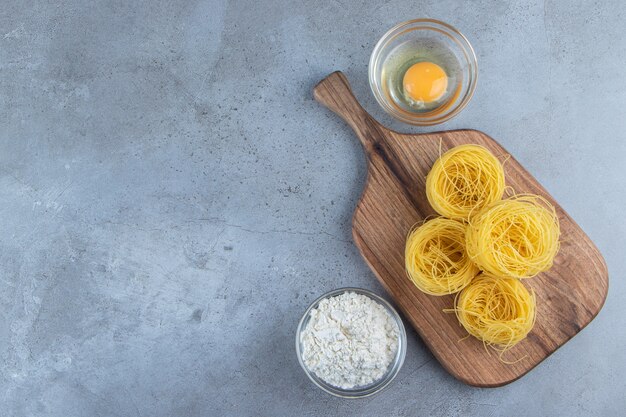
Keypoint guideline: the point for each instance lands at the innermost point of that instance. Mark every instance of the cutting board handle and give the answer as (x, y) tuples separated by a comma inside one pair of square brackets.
[(335, 93)]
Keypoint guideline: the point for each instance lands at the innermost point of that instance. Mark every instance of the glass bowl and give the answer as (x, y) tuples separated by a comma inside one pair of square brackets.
[(423, 40), (394, 366)]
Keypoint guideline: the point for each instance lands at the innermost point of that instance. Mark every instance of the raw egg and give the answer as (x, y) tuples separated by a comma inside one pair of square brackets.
[(425, 82)]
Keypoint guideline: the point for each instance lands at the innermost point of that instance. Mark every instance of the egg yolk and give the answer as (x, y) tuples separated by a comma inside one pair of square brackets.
[(425, 82)]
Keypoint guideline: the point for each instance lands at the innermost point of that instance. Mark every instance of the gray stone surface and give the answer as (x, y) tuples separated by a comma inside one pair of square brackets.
[(172, 198)]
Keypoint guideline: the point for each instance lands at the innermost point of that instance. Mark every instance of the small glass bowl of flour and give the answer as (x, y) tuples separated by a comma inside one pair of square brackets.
[(351, 343)]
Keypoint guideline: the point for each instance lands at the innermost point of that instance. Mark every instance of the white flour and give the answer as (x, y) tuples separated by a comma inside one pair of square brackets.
[(349, 341)]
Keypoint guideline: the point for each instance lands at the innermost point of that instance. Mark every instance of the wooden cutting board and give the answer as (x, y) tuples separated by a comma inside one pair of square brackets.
[(569, 295)]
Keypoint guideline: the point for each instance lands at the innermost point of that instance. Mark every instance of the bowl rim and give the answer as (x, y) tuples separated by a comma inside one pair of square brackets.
[(408, 26), (395, 365)]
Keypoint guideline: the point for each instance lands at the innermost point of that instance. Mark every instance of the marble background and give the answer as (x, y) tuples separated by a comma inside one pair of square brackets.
[(172, 199)]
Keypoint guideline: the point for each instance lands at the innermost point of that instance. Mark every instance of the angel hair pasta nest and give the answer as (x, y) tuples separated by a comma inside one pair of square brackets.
[(498, 311), (463, 181), (517, 237), (435, 257)]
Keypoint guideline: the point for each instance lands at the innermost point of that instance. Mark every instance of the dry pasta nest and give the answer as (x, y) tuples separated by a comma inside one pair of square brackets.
[(517, 237), (463, 181), (498, 311), (436, 259)]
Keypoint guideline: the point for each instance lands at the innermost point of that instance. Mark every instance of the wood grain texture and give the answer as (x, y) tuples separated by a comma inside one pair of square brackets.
[(569, 295)]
